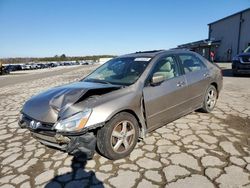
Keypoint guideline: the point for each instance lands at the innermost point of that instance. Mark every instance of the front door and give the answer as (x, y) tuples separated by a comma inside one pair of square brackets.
[(166, 101)]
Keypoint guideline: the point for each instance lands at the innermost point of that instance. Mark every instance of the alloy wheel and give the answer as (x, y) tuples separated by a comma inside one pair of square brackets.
[(122, 136), (211, 98)]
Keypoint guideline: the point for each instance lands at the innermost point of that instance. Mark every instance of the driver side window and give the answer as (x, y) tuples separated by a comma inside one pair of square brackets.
[(167, 68)]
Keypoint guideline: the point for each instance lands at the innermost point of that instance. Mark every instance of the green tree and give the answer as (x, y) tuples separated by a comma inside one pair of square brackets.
[(63, 56)]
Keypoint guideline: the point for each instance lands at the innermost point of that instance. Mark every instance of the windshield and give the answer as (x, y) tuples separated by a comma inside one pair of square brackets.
[(120, 71), (247, 50)]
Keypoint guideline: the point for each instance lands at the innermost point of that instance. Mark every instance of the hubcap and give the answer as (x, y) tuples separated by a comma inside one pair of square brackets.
[(122, 136), (211, 98)]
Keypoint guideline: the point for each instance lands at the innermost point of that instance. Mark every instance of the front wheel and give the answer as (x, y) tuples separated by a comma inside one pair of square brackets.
[(117, 138), (210, 99)]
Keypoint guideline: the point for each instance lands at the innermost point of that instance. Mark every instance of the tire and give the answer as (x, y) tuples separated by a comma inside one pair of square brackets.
[(210, 99), (122, 130), (234, 72)]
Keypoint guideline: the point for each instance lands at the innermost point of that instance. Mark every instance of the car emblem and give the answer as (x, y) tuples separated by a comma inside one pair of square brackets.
[(34, 125)]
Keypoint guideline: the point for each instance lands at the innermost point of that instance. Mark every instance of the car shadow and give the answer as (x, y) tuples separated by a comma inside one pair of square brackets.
[(78, 177), (227, 73)]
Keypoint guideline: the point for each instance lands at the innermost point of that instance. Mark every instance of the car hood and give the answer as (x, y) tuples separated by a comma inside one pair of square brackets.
[(244, 55), (47, 106)]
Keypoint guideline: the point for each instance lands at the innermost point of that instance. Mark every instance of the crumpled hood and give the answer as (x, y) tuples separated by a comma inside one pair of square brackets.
[(47, 106)]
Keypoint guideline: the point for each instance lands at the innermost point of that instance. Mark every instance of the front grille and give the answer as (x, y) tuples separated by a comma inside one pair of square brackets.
[(44, 126)]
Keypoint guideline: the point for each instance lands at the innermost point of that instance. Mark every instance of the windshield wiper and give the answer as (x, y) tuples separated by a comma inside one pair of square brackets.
[(97, 81)]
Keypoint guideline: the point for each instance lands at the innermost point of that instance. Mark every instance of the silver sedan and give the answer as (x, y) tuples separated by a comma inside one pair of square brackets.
[(122, 101)]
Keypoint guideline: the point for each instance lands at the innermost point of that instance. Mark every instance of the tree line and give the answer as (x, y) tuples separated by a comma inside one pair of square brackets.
[(62, 57)]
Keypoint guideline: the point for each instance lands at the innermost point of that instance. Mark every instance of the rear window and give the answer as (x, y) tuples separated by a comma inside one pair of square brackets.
[(191, 63)]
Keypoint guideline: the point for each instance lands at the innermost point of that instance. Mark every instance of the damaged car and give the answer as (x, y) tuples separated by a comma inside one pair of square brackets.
[(121, 101)]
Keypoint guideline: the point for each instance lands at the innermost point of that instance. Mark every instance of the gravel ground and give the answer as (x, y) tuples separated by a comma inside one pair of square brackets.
[(27, 75), (198, 150)]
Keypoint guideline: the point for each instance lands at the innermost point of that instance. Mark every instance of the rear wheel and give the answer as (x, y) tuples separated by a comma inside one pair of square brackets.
[(118, 137), (210, 99)]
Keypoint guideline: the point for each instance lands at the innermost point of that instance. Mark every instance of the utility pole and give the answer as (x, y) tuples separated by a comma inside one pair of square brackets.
[(239, 33)]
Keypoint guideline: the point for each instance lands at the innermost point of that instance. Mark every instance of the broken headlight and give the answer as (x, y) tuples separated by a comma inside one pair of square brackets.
[(74, 123)]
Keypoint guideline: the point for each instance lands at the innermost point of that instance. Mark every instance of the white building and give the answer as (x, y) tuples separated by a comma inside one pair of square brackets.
[(227, 37), (104, 60), (233, 32)]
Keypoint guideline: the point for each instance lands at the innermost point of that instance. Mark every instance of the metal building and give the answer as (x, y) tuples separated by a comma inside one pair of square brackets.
[(227, 37)]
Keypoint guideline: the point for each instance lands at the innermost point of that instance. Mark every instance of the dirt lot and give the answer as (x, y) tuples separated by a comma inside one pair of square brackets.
[(27, 75), (198, 150)]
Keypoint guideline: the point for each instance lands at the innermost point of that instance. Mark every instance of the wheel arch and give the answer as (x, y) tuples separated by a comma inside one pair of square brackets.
[(216, 87), (142, 127)]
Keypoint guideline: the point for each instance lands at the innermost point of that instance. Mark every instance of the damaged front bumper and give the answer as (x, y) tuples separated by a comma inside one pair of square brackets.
[(84, 142)]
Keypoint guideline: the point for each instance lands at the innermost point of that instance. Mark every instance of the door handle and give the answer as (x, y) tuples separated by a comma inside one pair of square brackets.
[(206, 74), (180, 84)]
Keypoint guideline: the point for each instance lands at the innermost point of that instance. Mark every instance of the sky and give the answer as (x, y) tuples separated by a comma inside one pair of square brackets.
[(44, 28)]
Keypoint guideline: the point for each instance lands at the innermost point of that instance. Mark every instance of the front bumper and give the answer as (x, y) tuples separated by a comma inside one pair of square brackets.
[(241, 71), (84, 143), (241, 68)]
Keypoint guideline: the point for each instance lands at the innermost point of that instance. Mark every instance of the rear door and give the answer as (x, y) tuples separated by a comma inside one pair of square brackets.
[(197, 77), (166, 101)]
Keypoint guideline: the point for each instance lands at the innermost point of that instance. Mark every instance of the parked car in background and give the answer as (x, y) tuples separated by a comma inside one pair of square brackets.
[(241, 63), (4, 70), (52, 64), (41, 65), (22, 66), (17, 67), (61, 63), (27, 66), (8, 68), (13, 67), (84, 63), (121, 101), (66, 64), (33, 66)]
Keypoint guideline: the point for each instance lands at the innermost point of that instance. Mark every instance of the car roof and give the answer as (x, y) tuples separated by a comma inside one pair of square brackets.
[(154, 53)]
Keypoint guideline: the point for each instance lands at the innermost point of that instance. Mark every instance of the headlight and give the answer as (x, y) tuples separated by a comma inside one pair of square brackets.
[(74, 123)]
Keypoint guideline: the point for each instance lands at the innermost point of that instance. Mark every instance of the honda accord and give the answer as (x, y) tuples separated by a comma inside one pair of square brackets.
[(121, 101)]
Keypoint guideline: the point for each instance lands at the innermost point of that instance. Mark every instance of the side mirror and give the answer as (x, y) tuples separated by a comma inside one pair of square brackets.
[(157, 79)]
